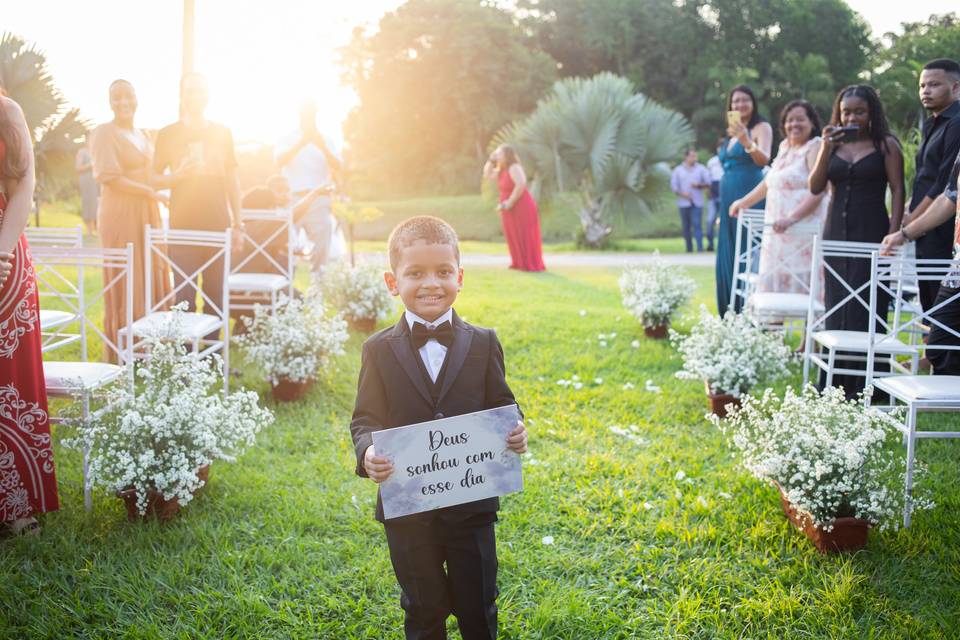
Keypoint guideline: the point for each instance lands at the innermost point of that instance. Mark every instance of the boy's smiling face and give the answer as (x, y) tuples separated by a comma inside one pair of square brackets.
[(427, 278)]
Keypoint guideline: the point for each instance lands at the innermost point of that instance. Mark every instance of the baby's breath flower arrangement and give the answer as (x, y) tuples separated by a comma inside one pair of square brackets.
[(730, 354), (154, 439), (830, 457), (296, 341), (358, 293), (653, 292)]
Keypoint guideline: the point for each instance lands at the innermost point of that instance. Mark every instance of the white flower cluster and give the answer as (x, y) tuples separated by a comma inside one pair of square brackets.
[(730, 354), (830, 457), (655, 291), (358, 292), (295, 341), (157, 436)]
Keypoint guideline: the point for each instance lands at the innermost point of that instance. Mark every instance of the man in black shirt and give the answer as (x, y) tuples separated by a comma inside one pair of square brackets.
[(940, 143), (208, 198)]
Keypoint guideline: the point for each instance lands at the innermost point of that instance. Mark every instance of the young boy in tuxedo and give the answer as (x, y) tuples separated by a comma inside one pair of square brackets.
[(432, 365)]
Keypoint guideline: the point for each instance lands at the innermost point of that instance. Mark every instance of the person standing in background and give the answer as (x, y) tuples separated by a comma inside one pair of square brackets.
[(715, 167), (688, 181), (307, 160), (744, 153), (939, 145), (207, 198), (89, 189)]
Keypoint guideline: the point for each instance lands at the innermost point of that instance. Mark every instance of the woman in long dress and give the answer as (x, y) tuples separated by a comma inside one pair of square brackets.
[(858, 171), (518, 210), (785, 257), (744, 153), (122, 164), (28, 483)]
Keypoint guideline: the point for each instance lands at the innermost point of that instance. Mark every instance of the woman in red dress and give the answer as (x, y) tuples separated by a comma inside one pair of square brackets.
[(518, 210), (27, 482)]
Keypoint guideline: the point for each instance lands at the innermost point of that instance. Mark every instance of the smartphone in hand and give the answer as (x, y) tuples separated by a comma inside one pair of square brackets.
[(733, 118), (846, 134)]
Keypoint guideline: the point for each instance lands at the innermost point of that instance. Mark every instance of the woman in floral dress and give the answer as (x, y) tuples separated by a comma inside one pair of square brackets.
[(28, 484), (785, 256)]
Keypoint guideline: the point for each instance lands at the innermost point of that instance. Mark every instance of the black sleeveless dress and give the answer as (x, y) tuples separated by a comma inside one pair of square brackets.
[(858, 213)]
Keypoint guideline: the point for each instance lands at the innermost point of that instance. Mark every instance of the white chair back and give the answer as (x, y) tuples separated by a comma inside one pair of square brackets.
[(746, 254), (54, 236), (281, 228), (71, 280)]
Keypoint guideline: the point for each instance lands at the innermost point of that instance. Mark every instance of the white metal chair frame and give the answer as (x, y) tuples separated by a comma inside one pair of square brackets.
[(859, 342), (746, 253), (903, 269), (79, 379), (156, 243), (772, 310), (245, 293), (52, 321)]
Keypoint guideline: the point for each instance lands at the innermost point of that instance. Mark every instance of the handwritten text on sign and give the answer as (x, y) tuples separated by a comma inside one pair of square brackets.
[(450, 461)]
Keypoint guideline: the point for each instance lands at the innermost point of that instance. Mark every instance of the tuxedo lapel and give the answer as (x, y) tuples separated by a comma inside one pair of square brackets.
[(462, 336), (399, 341)]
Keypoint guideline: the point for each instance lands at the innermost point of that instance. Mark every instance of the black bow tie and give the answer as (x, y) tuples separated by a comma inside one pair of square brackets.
[(443, 334)]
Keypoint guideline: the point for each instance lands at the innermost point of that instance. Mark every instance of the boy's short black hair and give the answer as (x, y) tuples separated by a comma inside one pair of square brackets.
[(427, 228), (952, 67)]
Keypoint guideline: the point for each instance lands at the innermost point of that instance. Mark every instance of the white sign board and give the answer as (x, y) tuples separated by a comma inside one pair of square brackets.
[(450, 461)]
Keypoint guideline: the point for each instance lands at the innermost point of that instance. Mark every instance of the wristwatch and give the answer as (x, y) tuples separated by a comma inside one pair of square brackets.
[(753, 147), (903, 233)]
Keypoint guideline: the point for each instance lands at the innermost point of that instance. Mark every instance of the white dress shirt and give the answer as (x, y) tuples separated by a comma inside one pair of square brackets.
[(432, 352), (308, 169)]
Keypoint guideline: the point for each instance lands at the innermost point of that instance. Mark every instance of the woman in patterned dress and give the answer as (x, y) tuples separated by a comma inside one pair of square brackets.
[(785, 257), (28, 484)]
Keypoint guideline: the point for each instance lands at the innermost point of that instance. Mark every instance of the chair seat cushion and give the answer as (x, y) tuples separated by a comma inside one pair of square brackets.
[(51, 318), (65, 378), (257, 282), (192, 325), (782, 303), (921, 387), (859, 341)]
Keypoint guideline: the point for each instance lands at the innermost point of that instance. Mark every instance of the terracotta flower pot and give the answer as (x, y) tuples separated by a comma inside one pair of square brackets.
[(719, 402), (658, 332), (848, 534), (163, 509), (362, 325), (287, 391), (203, 473)]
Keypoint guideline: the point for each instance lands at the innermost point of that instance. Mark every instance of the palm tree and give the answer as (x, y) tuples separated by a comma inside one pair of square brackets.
[(598, 137), (54, 128)]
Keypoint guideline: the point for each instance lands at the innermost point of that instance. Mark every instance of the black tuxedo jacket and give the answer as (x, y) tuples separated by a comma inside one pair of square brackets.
[(392, 392)]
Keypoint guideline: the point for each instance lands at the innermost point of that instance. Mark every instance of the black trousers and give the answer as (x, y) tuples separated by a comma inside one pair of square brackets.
[(467, 588), (945, 362)]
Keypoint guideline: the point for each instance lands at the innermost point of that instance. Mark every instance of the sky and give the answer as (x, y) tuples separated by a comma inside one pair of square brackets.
[(261, 58)]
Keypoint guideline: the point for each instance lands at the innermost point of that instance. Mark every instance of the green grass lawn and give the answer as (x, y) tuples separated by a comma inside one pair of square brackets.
[(283, 543)]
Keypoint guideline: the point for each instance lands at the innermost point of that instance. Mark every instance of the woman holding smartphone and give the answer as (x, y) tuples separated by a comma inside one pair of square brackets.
[(858, 158), (744, 153)]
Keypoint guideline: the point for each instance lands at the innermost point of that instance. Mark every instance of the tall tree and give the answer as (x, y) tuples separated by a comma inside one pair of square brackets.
[(435, 81), (896, 72), (54, 128)]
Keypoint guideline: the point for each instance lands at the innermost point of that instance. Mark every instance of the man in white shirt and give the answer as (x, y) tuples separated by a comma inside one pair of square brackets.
[(715, 167), (309, 161)]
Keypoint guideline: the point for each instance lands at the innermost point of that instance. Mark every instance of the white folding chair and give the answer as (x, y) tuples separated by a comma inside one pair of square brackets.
[(193, 328), (52, 319), (851, 345), (248, 288), (778, 309), (920, 392), (63, 276), (746, 254)]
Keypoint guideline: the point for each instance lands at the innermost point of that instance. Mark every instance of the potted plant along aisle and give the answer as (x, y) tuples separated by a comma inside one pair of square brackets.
[(654, 292), (359, 293), (292, 344), (153, 445), (731, 356), (835, 462)]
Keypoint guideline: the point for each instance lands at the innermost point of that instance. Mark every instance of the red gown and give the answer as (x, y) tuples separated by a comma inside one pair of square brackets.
[(28, 484), (521, 227)]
